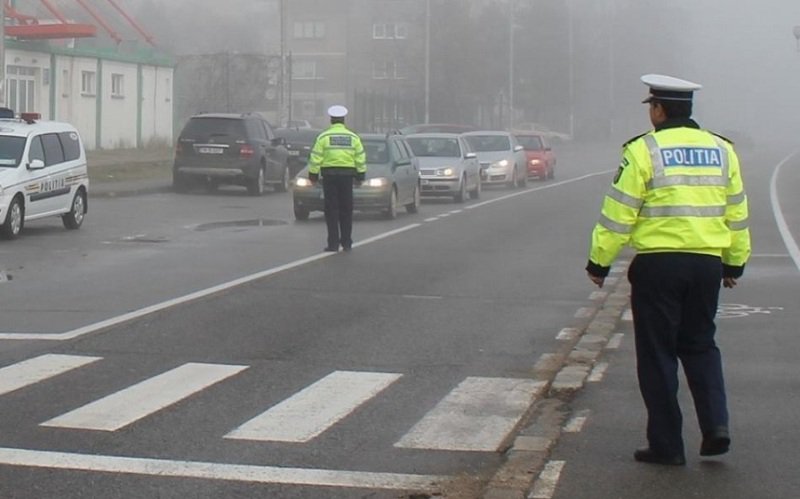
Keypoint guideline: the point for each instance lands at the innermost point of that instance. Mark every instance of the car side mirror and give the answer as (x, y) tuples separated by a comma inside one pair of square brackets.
[(36, 164), (401, 162), (518, 148), (470, 155)]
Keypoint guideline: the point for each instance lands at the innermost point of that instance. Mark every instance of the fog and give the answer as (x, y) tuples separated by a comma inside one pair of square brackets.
[(744, 55)]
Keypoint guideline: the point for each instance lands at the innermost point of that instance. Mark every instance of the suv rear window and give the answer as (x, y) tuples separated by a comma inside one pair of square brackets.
[(11, 151), (204, 127)]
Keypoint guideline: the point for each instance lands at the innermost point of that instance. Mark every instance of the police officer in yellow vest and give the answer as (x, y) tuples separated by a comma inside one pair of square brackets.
[(679, 201), (339, 158)]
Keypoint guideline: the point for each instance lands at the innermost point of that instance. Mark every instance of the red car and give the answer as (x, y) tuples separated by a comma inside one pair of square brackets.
[(541, 160)]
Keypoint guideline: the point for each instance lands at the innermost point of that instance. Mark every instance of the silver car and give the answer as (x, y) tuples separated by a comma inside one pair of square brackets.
[(501, 157), (447, 165)]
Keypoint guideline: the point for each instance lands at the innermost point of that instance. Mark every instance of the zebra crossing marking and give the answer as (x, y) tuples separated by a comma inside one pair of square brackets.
[(31, 371), (124, 407), (316, 408), (220, 471), (477, 415)]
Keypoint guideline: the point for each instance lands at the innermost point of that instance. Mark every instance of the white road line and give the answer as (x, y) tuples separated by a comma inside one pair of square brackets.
[(316, 408), (598, 372), (567, 333), (136, 314), (431, 219), (584, 312), (444, 215), (476, 416), (423, 297), (611, 281), (219, 471), (786, 234), (545, 486), (535, 189), (142, 399), (453, 212), (31, 371), (598, 295), (627, 315), (615, 341), (575, 423)]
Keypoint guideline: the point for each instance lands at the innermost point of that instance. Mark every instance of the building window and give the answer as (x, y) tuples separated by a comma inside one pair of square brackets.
[(21, 88), (304, 70), (117, 85), (167, 90), (309, 29), (66, 83), (88, 83), (387, 70), (389, 31)]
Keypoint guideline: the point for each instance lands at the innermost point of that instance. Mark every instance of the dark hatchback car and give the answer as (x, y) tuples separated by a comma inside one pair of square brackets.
[(238, 149), (299, 142)]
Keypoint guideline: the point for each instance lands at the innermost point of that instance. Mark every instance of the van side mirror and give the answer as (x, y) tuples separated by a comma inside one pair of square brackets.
[(36, 164)]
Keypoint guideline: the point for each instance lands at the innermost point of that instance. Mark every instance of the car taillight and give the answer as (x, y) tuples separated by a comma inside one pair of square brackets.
[(246, 151)]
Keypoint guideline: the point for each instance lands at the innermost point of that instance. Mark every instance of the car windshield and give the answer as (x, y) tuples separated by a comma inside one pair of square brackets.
[(530, 142), (11, 151), (377, 151), (204, 127), (489, 143), (437, 147)]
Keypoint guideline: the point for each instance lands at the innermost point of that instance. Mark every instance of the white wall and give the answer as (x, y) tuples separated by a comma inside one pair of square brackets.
[(119, 110)]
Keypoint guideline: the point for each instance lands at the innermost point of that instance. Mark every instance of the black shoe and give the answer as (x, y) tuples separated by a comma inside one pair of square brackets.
[(330, 250), (646, 455), (347, 248), (715, 442)]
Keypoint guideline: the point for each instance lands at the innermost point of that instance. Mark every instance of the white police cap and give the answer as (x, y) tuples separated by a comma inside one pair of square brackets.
[(669, 88), (337, 111)]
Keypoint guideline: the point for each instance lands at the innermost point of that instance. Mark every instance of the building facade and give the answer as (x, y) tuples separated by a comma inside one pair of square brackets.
[(115, 99)]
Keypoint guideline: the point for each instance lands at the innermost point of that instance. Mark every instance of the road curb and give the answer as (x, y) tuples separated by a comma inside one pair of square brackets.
[(565, 373)]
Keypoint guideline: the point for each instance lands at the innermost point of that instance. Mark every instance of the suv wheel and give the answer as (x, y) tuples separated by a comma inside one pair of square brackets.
[(256, 186)]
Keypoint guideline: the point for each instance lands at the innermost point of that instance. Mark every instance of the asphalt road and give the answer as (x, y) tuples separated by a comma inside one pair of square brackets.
[(202, 345)]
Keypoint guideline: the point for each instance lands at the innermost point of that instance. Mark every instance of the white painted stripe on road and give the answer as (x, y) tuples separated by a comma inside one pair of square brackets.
[(575, 424), (545, 486), (627, 315), (477, 415), (598, 372), (423, 297), (444, 215), (783, 228), (31, 371), (598, 295), (142, 399), (567, 333), (219, 471), (453, 212), (431, 219), (611, 281), (536, 189), (615, 341), (136, 314), (316, 408), (584, 312)]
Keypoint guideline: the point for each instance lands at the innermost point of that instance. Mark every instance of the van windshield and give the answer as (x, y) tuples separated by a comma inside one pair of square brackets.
[(11, 151)]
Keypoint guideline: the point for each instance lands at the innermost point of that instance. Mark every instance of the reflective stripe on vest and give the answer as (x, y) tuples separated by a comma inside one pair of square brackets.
[(683, 211), (615, 226), (660, 179), (626, 199)]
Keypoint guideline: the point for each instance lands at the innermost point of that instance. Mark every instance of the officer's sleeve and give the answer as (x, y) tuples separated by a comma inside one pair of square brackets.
[(618, 216), (360, 155), (736, 217), (316, 156)]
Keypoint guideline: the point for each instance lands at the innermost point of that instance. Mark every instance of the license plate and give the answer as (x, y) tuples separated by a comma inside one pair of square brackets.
[(209, 150), (294, 153), (425, 181)]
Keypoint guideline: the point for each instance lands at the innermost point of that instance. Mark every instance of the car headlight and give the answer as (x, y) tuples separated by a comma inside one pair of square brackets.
[(302, 182), (535, 162), (446, 172), (376, 182), (502, 163)]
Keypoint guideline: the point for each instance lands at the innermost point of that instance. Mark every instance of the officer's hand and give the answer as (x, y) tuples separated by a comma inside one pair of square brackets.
[(596, 279), (729, 282)]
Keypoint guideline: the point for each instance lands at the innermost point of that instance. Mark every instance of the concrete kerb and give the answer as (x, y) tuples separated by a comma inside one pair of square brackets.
[(565, 372)]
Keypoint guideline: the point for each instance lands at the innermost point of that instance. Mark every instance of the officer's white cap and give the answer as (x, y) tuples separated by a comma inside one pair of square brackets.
[(337, 111), (669, 88)]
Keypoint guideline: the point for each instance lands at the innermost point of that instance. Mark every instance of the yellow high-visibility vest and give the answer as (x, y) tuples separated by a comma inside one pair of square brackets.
[(337, 147), (677, 189)]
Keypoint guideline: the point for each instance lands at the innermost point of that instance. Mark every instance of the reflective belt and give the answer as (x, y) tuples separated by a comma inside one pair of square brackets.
[(683, 211)]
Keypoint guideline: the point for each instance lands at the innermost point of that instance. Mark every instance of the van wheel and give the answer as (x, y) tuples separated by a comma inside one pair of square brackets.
[(256, 186), (15, 220), (74, 218)]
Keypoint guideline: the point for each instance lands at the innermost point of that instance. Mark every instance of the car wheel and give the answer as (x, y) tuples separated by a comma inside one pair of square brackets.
[(212, 186), (513, 182), (413, 207), (179, 183), (283, 186), (301, 213), (74, 218), (523, 180), (15, 220), (391, 211), (552, 173), (462, 191), (256, 186), (476, 192)]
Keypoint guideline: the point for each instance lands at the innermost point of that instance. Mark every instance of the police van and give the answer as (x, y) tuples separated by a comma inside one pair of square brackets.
[(42, 172)]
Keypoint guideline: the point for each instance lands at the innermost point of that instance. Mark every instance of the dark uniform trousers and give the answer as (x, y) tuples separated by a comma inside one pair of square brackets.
[(674, 300), (337, 186)]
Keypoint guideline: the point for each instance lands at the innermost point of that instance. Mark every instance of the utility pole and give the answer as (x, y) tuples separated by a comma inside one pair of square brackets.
[(2, 54), (427, 61), (510, 64), (282, 99)]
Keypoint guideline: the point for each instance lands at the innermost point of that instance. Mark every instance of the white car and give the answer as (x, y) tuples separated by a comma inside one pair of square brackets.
[(502, 158), (447, 166), (43, 173)]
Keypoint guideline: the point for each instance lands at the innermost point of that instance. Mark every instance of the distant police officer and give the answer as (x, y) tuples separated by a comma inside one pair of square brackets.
[(678, 199), (339, 158)]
